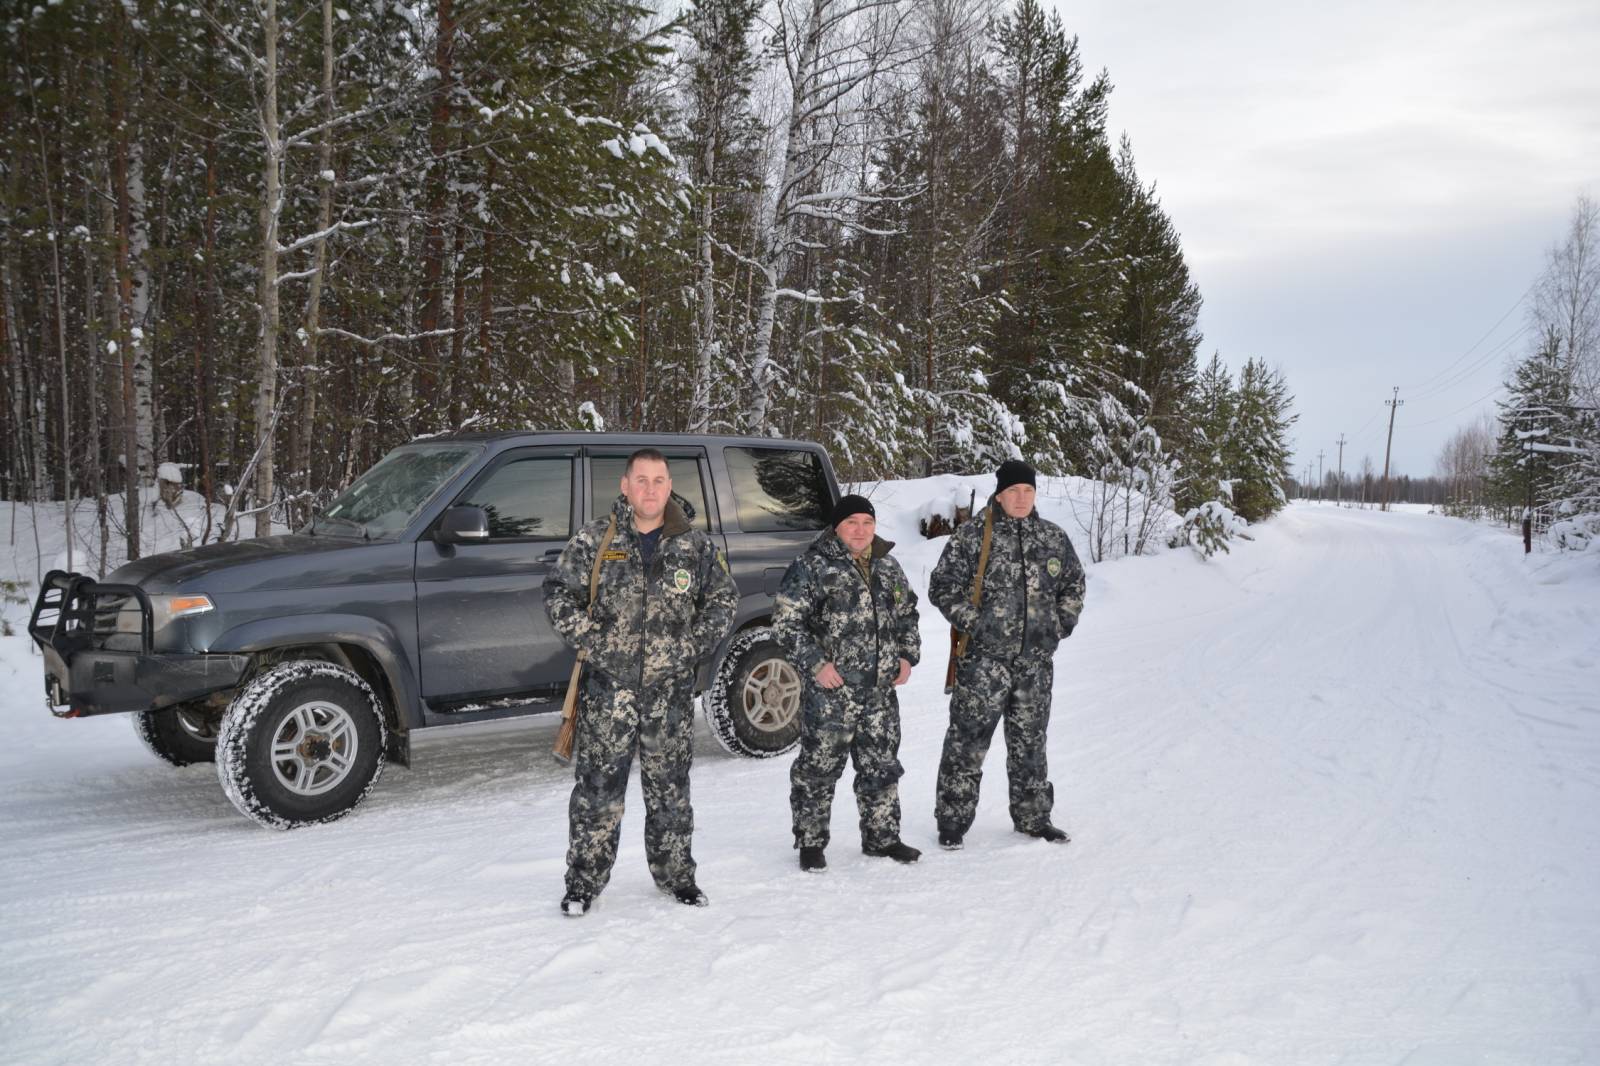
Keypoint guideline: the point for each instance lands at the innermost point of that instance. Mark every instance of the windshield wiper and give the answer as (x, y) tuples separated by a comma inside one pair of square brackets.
[(359, 527)]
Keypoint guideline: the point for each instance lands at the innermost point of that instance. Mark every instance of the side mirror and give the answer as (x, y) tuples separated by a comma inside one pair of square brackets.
[(462, 524)]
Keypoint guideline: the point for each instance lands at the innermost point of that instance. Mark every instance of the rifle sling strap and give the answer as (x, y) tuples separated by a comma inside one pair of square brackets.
[(594, 574), (983, 565)]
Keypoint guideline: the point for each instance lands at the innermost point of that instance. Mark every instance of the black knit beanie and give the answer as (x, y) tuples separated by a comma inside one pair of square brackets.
[(1014, 472), (849, 505)]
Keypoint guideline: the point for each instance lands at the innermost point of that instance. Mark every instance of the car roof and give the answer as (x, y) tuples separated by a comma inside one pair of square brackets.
[(631, 440)]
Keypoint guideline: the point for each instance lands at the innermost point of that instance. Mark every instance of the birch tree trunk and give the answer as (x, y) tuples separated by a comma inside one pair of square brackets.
[(433, 235), (124, 276), (205, 336), (310, 385), (271, 206), (775, 257), (486, 289), (830, 58), (142, 332), (91, 384), (706, 346)]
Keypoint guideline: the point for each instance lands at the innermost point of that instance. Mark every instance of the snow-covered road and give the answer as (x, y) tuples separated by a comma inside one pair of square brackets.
[(1333, 799)]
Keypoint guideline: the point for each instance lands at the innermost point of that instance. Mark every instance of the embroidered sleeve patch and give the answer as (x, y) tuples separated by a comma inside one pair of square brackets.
[(681, 580), (1054, 566)]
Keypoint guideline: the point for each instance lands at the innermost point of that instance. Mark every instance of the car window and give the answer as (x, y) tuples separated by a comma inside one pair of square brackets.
[(387, 497), (527, 498), (605, 475), (776, 489)]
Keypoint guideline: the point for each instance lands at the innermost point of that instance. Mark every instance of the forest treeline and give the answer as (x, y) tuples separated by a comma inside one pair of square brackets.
[(265, 242)]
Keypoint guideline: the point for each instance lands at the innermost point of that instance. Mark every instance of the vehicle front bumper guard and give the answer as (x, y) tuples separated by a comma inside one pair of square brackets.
[(85, 675)]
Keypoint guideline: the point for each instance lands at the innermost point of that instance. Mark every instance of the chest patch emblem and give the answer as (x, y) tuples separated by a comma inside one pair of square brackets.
[(613, 555), (1054, 566), (681, 580)]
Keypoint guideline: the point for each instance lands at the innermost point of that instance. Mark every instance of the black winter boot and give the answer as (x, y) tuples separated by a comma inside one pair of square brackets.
[(812, 860), (575, 904), (898, 851), (949, 840), (1048, 832), (690, 896)]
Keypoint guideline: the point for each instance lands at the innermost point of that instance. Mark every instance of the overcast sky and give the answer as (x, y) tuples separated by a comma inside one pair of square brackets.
[(1365, 190)]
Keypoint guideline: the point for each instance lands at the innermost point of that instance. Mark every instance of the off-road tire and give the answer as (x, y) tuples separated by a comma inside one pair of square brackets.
[(302, 743), (753, 704), (180, 736)]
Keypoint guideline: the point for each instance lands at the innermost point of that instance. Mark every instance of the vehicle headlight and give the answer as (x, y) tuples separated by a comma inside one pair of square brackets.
[(165, 609)]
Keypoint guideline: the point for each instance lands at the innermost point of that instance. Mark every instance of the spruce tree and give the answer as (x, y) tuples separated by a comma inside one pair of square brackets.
[(1258, 447), (1536, 410)]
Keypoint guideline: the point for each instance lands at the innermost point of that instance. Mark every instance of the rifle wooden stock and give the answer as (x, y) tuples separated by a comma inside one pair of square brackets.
[(956, 648), (569, 713), (568, 732), (958, 639)]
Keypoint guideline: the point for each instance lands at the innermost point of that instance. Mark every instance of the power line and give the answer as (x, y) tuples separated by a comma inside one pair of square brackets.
[(1367, 423), (1427, 381), (1452, 414), (1467, 373)]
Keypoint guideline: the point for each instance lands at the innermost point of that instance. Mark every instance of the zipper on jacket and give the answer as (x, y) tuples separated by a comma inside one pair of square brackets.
[(872, 598), (877, 626), (1022, 557)]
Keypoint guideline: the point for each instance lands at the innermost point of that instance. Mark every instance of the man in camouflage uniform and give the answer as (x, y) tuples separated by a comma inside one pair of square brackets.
[(848, 618), (1032, 595), (664, 603)]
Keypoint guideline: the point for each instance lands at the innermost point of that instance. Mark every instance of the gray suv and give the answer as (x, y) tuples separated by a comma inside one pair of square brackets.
[(301, 663)]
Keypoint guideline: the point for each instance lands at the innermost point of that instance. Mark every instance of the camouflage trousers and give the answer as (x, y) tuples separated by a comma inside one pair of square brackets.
[(613, 721), (987, 691), (847, 723)]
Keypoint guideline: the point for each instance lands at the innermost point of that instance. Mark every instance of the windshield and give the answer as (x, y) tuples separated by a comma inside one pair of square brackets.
[(384, 500)]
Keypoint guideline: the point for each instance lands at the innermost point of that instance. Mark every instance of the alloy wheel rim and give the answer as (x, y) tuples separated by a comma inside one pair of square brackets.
[(314, 748), (772, 696)]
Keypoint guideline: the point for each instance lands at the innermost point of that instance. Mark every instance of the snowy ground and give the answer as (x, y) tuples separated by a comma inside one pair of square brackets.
[(1333, 799)]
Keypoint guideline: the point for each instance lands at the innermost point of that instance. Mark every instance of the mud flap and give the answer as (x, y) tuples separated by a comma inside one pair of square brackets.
[(397, 748)]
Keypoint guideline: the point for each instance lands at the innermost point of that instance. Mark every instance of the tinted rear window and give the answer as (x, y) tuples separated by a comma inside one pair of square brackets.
[(775, 489), (605, 475)]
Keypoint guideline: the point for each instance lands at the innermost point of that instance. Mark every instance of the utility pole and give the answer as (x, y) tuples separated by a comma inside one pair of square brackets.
[(1319, 475), (1340, 475), (1527, 508), (1393, 405)]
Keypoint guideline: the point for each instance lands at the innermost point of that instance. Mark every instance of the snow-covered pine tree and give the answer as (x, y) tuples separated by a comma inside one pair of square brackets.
[(1059, 271), (1156, 326), (1213, 407), (940, 175), (1566, 306), (1535, 410), (1258, 448)]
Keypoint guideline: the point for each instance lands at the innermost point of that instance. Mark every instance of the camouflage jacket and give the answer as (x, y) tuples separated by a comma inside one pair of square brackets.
[(648, 623), (827, 611), (1032, 591)]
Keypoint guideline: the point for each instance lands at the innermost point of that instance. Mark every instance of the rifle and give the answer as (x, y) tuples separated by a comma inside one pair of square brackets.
[(958, 639), (569, 706)]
